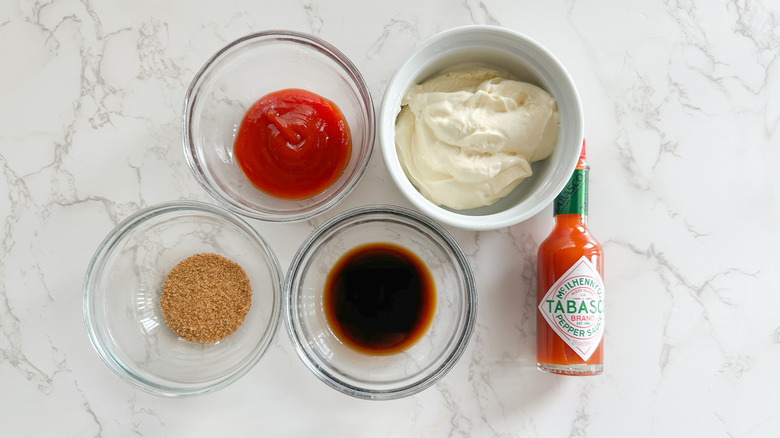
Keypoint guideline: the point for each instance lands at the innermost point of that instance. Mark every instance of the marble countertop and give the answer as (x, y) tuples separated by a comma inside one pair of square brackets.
[(682, 104)]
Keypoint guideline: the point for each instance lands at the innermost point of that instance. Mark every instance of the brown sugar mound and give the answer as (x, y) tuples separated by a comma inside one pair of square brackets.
[(206, 298)]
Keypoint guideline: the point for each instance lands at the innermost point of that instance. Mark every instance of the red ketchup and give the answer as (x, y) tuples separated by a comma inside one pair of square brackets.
[(293, 144)]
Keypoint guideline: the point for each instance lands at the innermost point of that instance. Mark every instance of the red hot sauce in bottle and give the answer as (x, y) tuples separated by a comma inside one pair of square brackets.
[(570, 287)]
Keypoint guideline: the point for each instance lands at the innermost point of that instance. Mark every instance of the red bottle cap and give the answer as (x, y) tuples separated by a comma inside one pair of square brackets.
[(582, 152)]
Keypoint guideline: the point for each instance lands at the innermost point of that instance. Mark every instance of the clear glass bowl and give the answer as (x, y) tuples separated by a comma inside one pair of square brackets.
[(240, 74), (379, 377), (122, 290)]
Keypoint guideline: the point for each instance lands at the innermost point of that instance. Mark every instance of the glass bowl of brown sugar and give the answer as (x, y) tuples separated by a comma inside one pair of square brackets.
[(182, 298), (380, 302)]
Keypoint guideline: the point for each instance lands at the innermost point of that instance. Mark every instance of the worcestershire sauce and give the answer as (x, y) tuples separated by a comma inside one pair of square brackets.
[(379, 298)]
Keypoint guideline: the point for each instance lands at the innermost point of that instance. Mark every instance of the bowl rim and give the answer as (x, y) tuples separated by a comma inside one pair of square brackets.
[(366, 213), (105, 248), (335, 55), (386, 135)]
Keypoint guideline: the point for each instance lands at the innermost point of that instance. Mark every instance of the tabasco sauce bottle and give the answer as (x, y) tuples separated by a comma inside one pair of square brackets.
[(570, 286)]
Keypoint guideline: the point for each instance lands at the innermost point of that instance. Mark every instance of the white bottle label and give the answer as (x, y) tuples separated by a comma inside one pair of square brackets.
[(574, 307)]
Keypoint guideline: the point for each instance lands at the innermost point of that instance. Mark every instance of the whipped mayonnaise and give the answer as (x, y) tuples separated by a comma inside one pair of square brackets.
[(466, 137)]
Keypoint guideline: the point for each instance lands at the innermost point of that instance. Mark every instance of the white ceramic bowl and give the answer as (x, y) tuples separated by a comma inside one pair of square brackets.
[(528, 61)]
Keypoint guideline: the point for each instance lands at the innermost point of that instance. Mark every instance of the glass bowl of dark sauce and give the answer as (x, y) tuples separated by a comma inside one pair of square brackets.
[(380, 302)]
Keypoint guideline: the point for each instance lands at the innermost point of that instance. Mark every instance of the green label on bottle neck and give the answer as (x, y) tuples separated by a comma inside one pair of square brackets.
[(573, 199)]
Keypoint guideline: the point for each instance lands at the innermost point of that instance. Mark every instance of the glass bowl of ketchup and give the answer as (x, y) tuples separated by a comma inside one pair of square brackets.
[(278, 126), (380, 302)]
